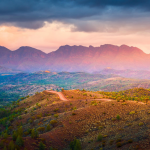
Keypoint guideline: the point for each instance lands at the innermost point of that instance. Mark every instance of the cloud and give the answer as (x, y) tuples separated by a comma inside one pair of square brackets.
[(85, 15)]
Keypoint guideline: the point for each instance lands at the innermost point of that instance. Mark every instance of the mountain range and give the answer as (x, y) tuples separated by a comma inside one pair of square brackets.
[(75, 58)]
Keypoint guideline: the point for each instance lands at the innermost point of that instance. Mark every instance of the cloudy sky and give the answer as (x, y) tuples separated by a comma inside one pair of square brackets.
[(48, 24)]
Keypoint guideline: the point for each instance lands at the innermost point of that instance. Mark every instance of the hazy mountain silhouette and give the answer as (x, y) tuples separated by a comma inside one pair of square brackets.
[(76, 58)]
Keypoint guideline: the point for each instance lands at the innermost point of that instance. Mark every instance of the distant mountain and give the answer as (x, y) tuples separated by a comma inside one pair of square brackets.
[(76, 58)]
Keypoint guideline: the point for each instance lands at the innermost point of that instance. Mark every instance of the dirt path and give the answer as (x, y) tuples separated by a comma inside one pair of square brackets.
[(61, 96)]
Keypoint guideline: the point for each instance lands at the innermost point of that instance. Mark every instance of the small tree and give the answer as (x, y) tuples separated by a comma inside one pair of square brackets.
[(5, 148), (41, 146), (50, 148), (118, 117), (14, 136), (75, 145), (34, 133), (11, 145), (19, 141), (48, 128), (100, 137)]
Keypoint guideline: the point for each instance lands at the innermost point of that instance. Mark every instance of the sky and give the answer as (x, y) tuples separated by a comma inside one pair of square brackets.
[(49, 24)]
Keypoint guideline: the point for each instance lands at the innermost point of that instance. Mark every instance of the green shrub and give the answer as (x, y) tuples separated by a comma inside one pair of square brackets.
[(11, 145), (5, 148), (14, 136), (53, 122), (118, 117), (132, 112), (118, 144), (19, 141), (34, 133), (41, 129), (48, 128), (41, 146), (56, 115), (75, 145), (141, 124), (100, 137)]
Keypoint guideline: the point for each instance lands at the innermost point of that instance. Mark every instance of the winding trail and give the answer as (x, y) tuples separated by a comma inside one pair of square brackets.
[(61, 96)]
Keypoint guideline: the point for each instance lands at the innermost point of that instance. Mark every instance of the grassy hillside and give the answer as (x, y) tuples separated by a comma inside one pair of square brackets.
[(88, 121)]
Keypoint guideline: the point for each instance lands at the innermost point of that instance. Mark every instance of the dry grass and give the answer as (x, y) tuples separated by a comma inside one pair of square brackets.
[(92, 117)]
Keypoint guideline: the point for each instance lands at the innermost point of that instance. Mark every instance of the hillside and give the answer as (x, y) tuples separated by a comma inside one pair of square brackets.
[(94, 120), (13, 87), (75, 58)]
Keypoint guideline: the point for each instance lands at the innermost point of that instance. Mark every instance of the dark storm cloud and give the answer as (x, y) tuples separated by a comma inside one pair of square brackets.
[(33, 13)]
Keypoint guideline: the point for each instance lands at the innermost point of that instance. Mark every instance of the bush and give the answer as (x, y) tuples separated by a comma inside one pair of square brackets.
[(11, 145), (141, 123), (14, 136), (118, 144), (48, 128), (56, 115), (75, 145), (34, 133), (50, 148), (41, 129), (118, 117), (100, 137), (53, 122), (19, 141), (132, 112), (41, 146), (5, 148)]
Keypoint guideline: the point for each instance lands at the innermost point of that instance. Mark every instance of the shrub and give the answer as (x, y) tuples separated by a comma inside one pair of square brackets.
[(100, 137), (50, 148), (74, 108), (1, 144), (34, 133), (130, 141), (132, 112), (11, 145), (5, 135), (19, 141), (75, 145), (118, 117), (53, 122), (41, 129), (118, 144), (56, 109), (20, 131), (141, 123), (41, 146), (14, 136), (48, 128), (5, 148), (56, 115), (73, 113), (84, 94)]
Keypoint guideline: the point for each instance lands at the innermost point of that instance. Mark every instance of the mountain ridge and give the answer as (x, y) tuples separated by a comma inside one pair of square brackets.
[(75, 58)]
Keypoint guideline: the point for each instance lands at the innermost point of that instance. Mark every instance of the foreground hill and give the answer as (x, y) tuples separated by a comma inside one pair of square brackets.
[(76, 58), (95, 121)]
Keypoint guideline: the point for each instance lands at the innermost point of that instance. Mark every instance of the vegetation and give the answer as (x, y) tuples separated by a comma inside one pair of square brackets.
[(91, 121)]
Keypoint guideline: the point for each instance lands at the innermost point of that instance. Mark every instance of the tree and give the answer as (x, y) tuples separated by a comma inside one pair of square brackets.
[(11, 145), (75, 145), (20, 131), (14, 136), (19, 141), (48, 128), (41, 146), (5, 148), (34, 133)]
